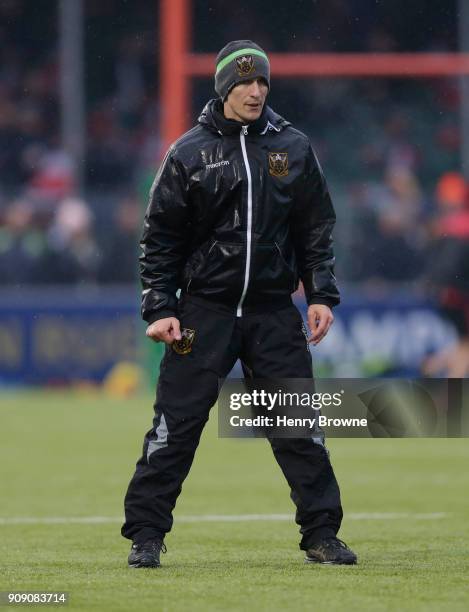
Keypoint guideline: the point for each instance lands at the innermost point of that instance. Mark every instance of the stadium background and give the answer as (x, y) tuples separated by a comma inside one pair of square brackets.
[(68, 268), (394, 153)]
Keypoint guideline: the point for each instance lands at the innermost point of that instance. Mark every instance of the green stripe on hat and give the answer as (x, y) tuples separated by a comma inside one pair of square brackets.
[(226, 60)]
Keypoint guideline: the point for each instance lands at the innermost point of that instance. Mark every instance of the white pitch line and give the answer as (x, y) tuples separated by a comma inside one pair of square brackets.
[(216, 518)]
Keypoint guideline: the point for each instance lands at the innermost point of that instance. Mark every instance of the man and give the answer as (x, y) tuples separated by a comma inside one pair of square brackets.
[(238, 212)]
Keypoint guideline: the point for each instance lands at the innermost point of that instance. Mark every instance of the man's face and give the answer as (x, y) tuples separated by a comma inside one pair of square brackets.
[(246, 100)]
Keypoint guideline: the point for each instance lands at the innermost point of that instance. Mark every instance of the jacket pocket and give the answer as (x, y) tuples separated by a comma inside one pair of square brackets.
[(197, 261), (217, 269), (271, 272), (290, 266)]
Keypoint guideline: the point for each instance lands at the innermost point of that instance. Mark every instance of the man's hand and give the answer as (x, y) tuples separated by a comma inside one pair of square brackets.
[(165, 330), (320, 318)]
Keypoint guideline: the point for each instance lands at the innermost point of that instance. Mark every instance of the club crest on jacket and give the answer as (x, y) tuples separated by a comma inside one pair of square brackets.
[(184, 345), (244, 65), (278, 164)]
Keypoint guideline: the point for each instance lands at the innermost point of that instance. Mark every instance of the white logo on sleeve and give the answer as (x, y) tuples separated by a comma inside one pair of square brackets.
[(217, 165)]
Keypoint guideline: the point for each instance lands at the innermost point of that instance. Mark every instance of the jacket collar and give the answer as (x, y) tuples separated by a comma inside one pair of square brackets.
[(213, 118)]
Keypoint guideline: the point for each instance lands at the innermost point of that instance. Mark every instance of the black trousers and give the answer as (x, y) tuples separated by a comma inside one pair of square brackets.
[(270, 345)]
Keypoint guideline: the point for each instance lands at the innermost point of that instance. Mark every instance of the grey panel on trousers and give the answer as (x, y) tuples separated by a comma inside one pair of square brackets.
[(161, 440), (318, 440)]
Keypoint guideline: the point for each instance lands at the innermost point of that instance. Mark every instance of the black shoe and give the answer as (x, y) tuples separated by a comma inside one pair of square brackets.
[(146, 554), (330, 551)]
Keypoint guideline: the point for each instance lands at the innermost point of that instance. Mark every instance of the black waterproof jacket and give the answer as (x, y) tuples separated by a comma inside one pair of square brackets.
[(237, 215)]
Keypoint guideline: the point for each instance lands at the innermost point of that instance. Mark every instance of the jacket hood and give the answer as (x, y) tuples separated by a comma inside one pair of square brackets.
[(213, 118)]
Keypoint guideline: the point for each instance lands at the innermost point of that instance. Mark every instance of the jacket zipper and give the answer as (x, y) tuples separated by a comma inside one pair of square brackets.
[(242, 134)]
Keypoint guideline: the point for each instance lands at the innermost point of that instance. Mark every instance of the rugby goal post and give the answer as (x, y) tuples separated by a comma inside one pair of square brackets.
[(178, 66)]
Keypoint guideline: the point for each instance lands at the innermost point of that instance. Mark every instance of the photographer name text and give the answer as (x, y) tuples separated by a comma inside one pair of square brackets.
[(284, 421)]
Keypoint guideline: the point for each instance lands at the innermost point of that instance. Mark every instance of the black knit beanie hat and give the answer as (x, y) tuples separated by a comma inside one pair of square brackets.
[(238, 61)]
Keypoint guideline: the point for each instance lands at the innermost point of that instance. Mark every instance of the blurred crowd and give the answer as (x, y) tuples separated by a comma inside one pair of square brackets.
[(48, 233), (40, 245), (389, 147)]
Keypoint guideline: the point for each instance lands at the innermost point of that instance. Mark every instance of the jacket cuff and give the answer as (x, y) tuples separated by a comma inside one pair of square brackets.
[(160, 314), (322, 300)]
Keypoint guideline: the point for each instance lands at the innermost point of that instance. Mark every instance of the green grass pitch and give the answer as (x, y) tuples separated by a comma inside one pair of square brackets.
[(71, 455)]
